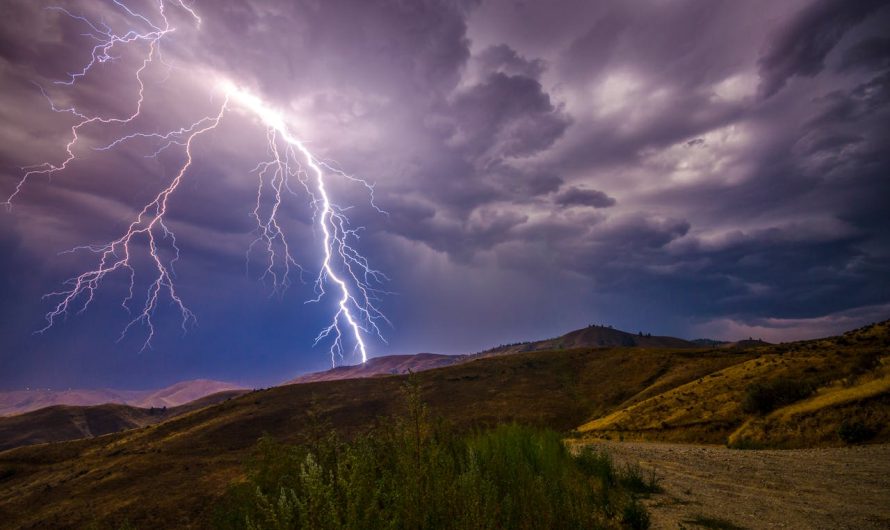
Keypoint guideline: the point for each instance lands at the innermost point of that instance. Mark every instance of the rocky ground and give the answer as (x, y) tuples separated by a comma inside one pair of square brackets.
[(715, 487)]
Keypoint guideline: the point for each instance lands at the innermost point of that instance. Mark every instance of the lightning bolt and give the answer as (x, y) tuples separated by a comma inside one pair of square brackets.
[(343, 270)]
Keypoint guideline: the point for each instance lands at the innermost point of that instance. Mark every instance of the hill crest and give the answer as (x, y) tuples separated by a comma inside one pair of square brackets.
[(21, 401), (688, 395), (592, 336)]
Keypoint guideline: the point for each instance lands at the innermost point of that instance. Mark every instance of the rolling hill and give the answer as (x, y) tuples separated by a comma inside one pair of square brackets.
[(193, 457), (800, 394), (70, 422), (64, 422), (592, 336), (589, 337), (675, 394), (21, 401), (384, 365)]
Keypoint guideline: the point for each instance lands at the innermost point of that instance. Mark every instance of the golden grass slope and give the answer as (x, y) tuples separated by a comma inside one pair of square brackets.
[(62, 422), (168, 475), (851, 374)]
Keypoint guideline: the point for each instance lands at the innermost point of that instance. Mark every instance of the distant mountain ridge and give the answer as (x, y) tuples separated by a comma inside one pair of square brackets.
[(592, 336), (58, 423), (696, 395), (22, 401), (384, 365)]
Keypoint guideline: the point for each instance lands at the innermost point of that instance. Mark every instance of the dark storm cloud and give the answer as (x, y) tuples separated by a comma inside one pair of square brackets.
[(582, 197), (459, 239), (502, 58), (508, 114), (678, 106), (872, 53), (800, 48), (797, 274), (542, 165)]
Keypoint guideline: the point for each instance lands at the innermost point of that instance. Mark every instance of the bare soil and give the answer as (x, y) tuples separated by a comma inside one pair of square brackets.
[(716, 487)]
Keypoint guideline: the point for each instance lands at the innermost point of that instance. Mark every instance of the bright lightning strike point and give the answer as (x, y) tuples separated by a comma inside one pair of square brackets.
[(342, 268), (332, 225)]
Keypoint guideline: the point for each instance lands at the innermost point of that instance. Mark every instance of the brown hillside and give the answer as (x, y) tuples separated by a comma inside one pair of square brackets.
[(62, 422), (592, 337), (184, 392), (169, 474), (589, 337), (834, 382), (192, 458), (20, 401), (385, 365)]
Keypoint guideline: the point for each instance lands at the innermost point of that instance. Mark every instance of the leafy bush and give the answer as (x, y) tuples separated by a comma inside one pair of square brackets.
[(763, 398), (597, 464), (635, 481), (635, 516), (746, 444), (415, 473), (853, 432)]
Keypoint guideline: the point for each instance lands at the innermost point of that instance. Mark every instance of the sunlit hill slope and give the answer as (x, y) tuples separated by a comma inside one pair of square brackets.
[(817, 392), (170, 474)]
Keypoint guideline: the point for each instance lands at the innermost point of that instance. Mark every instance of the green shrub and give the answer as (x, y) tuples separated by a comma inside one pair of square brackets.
[(508, 477), (763, 398), (632, 478), (635, 516), (597, 464), (853, 432), (414, 473)]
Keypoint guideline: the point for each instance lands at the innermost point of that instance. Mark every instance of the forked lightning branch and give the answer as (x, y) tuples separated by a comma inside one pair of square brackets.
[(288, 168)]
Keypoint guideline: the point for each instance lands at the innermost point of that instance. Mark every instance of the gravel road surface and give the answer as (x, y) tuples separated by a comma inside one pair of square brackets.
[(809, 488)]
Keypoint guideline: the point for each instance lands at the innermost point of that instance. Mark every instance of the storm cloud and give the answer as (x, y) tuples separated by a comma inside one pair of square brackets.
[(689, 168)]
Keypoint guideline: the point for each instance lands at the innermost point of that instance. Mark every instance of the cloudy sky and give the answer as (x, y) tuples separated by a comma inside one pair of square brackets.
[(688, 168)]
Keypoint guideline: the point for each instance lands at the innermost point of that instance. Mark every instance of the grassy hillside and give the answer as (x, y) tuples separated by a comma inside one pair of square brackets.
[(21, 401), (185, 392), (169, 474), (14, 402), (62, 422), (589, 337), (821, 392), (384, 365), (592, 336)]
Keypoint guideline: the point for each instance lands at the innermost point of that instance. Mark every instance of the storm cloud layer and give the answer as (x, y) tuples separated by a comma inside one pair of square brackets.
[(695, 168)]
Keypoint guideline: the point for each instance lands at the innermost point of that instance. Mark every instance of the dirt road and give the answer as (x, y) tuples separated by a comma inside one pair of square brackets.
[(715, 487)]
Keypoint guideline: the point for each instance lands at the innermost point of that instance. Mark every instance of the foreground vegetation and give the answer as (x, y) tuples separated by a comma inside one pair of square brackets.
[(172, 474), (414, 473)]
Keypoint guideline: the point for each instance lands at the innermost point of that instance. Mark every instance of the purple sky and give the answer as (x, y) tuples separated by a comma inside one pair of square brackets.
[(688, 168)]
